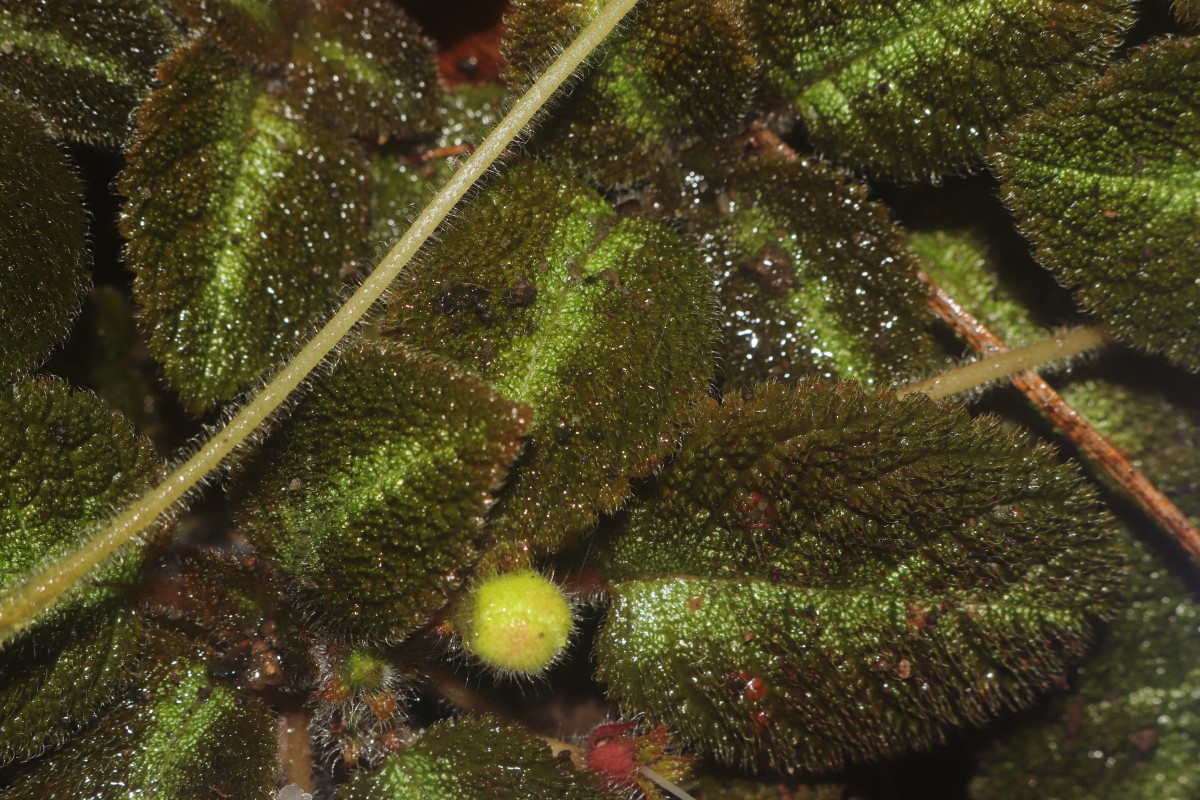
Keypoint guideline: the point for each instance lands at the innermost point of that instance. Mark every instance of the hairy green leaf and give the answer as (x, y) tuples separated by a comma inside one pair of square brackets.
[(57, 677), (914, 88), (240, 218), (475, 757), (825, 575), (603, 325), (1187, 10), (253, 31), (1130, 728), (379, 480), (84, 64), (683, 68), (43, 241), (1104, 183), (710, 788), (66, 461), (815, 278), (180, 737)]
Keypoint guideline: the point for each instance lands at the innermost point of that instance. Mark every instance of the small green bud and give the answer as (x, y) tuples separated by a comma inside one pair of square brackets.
[(517, 622)]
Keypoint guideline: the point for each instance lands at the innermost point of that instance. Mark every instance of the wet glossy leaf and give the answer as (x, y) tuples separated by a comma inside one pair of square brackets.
[(180, 737), (682, 68), (1104, 183), (1130, 728), (43, 241), (815, 279), (379, 480), (56, 678), (84, 64), (65, 462), (240, 219), (825, 575), (915, 88), (475, 757), (602, 325), (364, 66)]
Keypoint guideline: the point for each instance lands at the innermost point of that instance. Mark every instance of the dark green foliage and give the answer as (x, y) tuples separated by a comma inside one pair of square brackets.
[(66, 461), (362, 65), (1130, 728), (682, 68), (603, 325), (379, 480), (1187, 10), (55, 678), (475, 757), (43, 245), (355, 65), (745, 789), (240, 220), (917, 87), (1104, 183), (816, 279), (180, 738), (824, 575), (84, 64)]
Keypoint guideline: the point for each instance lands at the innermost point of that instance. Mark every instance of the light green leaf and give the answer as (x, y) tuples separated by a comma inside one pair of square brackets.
[(475, 757), (1104, 183), (43, 241), (824, 575), (241, 219), (603, 325), (914, 88), (84, 64), (180, 737), (815, 279), (379, 480)]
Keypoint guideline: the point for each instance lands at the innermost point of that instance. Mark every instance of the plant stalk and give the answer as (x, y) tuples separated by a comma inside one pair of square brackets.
[(25, 603)]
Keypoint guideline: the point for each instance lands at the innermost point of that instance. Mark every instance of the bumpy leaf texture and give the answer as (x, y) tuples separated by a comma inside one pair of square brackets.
[(65, 462), (915, 88), (682, 68), (475, 757), (1130, 729), (180, 737), (603, 325), (84, 64), (1104, 182), (240, 217), (43, 241), (379, 480), (815, 278), (825, 575)]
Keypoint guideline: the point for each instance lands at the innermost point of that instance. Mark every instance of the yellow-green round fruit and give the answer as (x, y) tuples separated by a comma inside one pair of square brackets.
[(516, 622)]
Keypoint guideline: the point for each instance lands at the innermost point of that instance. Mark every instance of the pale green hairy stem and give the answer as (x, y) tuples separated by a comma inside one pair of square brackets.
[(24, 604), (982, 372)]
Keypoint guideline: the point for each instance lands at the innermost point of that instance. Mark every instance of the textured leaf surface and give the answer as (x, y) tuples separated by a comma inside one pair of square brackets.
[(681, 68), (240, 219), (179, 738), (913, 88), (602, 325), (1130, 729), (84, 64), (379, 481), (1104, 183), (43, 241), (474, 757), (65, 462), (815, 279), (826, 575), (1187, 10), (57, 678)]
